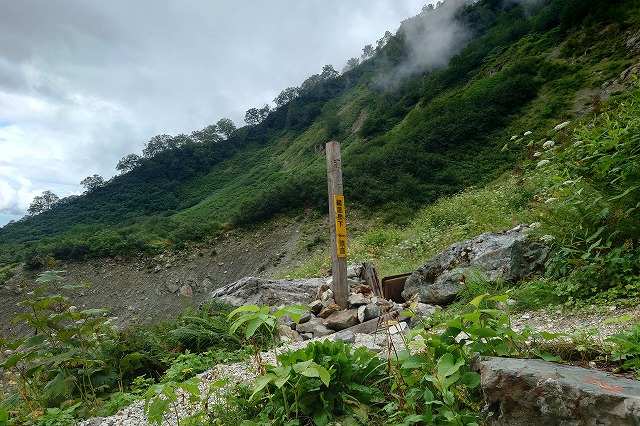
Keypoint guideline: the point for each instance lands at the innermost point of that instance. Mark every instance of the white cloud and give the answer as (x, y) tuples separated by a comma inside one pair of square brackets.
[(83, 84)]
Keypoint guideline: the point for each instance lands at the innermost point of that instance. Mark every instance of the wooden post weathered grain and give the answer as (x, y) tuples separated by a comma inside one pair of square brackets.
[(337, 219), (370, 277)]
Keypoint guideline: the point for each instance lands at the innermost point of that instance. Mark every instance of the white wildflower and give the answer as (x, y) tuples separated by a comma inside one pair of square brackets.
[(537, 154), (547, 238), (561, 126), (535, 225), (527, 133), (548, 144), (550, 200), (543, 163)]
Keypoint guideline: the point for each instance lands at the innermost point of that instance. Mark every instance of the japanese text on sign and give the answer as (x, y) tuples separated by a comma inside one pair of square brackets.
[(341, 225)]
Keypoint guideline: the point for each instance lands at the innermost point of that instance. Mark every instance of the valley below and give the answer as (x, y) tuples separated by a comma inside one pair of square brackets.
[(149, 289)]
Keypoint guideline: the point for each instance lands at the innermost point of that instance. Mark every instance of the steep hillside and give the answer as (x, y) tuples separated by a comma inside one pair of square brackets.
[(149, 289), (430, 113)]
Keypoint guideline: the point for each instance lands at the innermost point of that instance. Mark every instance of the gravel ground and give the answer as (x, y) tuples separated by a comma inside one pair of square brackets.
[(133, 415), (578, 324)]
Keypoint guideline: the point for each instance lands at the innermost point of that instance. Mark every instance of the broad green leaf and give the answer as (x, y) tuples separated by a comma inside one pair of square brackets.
[(191, 386), (428, 395), (476, 300), (546, 356), (252, 326), (155, 412), (470, 379), (325, 376), (281, 380), (416, 418), (448, 398), (58, 386), (261, 382), (482, 332), (321, 417), (501, 298), (447, 382), (548, 336), (281, 371), (301, 366), (50, 277), (623, 318), (447, 365), (239, 321), (414, 363), (35, 340), (13, 360), (242, 309)]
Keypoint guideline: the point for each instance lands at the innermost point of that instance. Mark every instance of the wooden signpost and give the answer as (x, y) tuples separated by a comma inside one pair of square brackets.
[(337, 218)]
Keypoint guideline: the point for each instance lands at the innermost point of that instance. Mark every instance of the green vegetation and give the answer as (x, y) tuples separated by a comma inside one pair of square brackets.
[(439, 157), (405, 144), (77, 364)]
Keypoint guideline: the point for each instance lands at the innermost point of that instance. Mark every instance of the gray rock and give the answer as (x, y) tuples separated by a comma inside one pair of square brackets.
[(357, 299), (518, 391), (326, 295), (316, 307), (315, 326), (367, 312), (95, 421), (354, 271), (509, 255), (305, 317), (286, 321), (425, 310), (401, 327), (258, 291), (353, 283), (207, 284), (345, 336), (422, 311), (341, 320), (186, 290), (328, 302), (286, 331), (322, 289)]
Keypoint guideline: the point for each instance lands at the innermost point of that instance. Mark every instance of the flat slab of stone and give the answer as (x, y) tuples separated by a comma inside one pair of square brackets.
[(536, 392), (258, 291)]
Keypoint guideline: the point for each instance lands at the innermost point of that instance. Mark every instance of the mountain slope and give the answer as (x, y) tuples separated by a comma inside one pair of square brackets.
[(413, 124)]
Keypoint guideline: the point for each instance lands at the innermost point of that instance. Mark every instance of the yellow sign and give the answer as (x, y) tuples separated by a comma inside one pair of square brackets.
[(341, 225)]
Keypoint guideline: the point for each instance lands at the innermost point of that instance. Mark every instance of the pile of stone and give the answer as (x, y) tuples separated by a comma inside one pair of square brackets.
[(365, 313)]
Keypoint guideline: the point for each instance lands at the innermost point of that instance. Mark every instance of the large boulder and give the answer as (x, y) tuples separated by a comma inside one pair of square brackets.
[(532, 391), (509, 255), (261, 292)]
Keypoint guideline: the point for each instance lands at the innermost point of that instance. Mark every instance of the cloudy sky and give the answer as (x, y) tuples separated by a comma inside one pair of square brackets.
[(85, 82)]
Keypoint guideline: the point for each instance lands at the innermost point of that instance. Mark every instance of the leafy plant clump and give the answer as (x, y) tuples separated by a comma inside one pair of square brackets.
[(593, 205), (77, 364), (321, 383)]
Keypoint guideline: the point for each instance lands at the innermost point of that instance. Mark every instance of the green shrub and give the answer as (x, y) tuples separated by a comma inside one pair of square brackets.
[(593, 202), (321, 383), (63, 361)]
